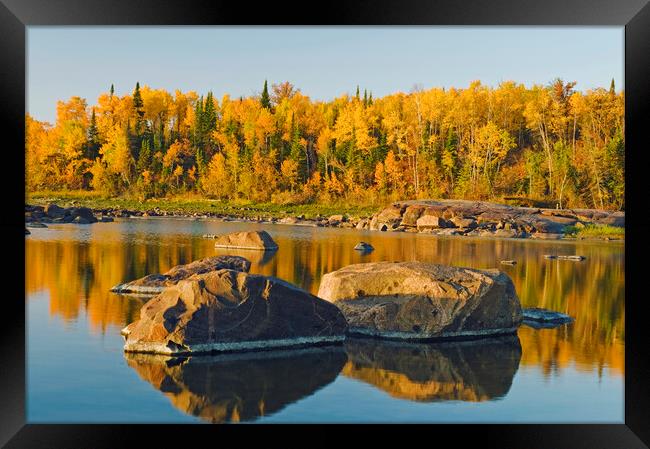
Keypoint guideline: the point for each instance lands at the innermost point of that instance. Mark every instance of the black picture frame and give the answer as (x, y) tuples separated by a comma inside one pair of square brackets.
[(16, 15)]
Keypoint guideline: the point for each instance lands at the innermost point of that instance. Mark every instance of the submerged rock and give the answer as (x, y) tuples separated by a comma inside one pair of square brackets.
[(577, 258), (155, 283), (415, 300), (363, 246), (544, 316), (564, 257), (260, 240), (508, 262), (35, 224), (229, 310), (240, 387), (473, 371)]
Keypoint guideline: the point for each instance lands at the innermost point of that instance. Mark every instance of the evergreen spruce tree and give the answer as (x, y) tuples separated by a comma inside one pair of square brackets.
[(612, 88), (208, 125), (365, 97), (144, 158), (200, 160), (92, 146), (138, 105), (112, 90), (265, 99), (357, 94)]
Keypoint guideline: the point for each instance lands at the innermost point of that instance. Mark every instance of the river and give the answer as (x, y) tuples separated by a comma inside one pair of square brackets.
[(78, 373)]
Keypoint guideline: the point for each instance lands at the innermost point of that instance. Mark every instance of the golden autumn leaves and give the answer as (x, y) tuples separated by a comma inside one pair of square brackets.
[(478, 142)]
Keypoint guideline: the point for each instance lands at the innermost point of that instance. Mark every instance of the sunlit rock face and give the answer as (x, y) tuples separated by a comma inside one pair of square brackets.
[(257, 240), (153, 284), (416, 300), (471, 371), (228, 310), (240, 387)]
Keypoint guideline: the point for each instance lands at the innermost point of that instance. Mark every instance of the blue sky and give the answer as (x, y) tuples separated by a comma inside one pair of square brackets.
[(324, 62)]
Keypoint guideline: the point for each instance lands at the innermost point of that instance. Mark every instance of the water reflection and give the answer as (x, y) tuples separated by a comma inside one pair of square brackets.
[(240, 387), (244, 387), (77, 265), (472, 371)]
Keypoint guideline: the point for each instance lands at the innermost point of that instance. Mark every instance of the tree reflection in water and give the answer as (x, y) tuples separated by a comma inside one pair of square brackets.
[(78, 265)]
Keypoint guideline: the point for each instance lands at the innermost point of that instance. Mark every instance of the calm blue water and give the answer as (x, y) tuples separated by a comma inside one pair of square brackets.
[(78, 373)]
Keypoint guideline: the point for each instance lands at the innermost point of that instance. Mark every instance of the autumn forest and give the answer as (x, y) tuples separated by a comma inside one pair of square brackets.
[(548, 142)]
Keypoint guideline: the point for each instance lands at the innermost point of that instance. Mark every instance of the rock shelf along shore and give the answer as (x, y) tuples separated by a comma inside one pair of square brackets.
[(439, 217)]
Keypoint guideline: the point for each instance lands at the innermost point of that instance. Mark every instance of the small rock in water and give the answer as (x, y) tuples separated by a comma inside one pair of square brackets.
[(27, 231), (572, 257), (363, 246), (544, 316), (35, 224), (258, 240), (508, 262), (210, 236), (564, 257)]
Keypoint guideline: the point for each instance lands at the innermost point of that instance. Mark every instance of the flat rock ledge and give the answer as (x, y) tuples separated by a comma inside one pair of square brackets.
[(258, 240), (153, 284), (421, 301), (228, 310), (545, 316)]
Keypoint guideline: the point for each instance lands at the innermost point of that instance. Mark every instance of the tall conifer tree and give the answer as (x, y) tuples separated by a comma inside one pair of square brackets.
[(265, 99)]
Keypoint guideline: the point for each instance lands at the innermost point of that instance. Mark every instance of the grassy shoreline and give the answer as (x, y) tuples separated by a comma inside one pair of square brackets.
[(192, 205), (199, 205)]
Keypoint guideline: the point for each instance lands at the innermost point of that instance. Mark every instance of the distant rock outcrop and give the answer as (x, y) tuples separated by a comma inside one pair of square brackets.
[(483, 219)]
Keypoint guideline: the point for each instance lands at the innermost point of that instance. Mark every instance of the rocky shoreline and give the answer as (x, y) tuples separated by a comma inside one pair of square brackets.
[(438, 217)]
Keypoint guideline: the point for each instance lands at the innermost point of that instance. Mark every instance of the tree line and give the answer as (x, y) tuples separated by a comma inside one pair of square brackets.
[(548, 142)]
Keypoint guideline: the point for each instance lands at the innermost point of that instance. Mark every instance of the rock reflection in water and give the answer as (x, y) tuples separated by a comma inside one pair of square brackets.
[(240, 387), (466, 371)]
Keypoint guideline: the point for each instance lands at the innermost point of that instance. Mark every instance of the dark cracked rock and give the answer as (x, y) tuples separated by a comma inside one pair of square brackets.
[(155, 283)]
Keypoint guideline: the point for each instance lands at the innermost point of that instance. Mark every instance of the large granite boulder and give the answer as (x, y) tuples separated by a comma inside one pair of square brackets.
[(153, 284), (228, 310), (473, 371), (260, 240), (229, 388), (388, 218), (411, 215), (427, 222), (415, 300)]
